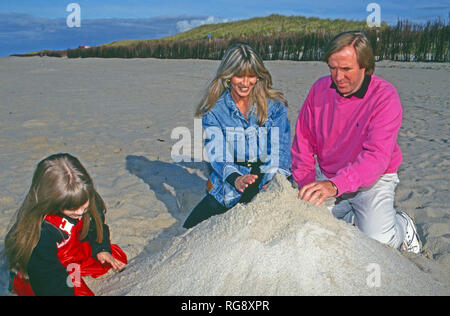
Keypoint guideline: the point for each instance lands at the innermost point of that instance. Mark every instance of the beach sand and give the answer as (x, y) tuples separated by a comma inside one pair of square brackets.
[(117, 116)]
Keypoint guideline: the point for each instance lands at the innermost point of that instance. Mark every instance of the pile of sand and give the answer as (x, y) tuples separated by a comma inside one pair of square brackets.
[(275, 245)]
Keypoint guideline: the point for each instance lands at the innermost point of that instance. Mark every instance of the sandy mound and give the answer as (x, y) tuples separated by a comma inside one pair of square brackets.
[(275, 245)]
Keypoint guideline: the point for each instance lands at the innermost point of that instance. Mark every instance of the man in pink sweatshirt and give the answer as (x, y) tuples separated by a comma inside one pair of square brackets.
[(349, 123)]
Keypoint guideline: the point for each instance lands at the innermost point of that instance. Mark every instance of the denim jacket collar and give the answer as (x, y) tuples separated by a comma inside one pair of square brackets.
[(232, 106)]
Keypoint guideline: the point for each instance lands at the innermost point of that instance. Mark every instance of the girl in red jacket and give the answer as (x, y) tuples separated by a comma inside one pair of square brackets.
[(60, 233)]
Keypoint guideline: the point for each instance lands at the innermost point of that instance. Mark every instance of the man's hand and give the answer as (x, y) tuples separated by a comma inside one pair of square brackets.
[(317, 192)]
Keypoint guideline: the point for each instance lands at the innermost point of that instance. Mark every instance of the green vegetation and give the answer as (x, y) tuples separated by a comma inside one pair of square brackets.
[(261, 26), (284, 38), (269, 26)]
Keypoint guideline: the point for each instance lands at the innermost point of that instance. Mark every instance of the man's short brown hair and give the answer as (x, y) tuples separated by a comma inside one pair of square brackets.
[(359, 41)]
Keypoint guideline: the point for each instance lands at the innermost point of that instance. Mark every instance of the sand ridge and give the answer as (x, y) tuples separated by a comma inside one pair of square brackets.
[(275, 245)]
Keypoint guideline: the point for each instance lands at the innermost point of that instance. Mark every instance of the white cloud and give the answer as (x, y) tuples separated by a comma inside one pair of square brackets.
[(186, 25)]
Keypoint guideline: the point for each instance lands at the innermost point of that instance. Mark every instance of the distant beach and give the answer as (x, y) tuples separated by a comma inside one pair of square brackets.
[(117, 116)]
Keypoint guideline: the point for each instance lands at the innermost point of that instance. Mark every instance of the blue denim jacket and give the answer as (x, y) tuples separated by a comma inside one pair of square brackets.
[(231, 137)]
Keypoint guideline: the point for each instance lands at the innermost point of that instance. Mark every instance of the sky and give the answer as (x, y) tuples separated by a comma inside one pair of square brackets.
[(32, 25)]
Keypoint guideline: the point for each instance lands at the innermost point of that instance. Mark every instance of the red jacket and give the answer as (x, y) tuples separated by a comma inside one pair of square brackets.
[(73, 254)]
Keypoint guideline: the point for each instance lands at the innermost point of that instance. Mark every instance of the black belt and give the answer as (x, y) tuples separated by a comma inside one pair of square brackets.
[(253, 165), (249, 164)]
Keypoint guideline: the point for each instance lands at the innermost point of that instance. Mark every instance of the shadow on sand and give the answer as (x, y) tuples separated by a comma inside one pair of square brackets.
[(180, 186)]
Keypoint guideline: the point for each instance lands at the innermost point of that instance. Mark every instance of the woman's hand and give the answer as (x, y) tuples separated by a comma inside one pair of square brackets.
[(243, 182), (106, 257), (317, 192)]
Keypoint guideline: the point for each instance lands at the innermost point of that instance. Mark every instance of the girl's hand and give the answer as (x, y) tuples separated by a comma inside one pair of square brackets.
[(106, 257), (243, 182)]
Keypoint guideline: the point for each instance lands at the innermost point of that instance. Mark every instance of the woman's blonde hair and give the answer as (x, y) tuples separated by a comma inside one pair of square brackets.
[(241, 59), (60, 182), (361, 44)]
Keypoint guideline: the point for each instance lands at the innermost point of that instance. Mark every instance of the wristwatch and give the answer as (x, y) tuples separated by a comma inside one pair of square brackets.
[(335, 187)]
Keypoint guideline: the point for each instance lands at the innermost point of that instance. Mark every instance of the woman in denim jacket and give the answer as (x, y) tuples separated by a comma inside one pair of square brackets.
[(247, 132)]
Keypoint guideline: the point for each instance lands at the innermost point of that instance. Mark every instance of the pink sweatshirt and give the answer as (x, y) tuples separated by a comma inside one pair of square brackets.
[(355, 139)]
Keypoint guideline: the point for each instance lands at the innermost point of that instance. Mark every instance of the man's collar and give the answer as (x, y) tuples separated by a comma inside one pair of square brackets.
[(361, 91)]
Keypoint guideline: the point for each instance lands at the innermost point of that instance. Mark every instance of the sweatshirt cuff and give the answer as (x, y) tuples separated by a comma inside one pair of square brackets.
[(340, 183), (310, 177)]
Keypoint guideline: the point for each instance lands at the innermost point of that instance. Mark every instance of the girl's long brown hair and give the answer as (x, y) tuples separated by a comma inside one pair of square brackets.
[(60, 182), (240, 59)]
